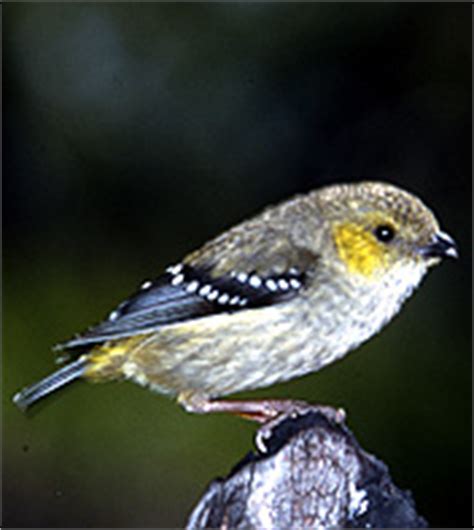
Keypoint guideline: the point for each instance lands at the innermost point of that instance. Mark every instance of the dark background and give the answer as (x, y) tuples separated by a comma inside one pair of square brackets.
[(132, 134)]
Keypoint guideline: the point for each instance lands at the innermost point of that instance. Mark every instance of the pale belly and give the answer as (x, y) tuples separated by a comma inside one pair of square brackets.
[(220, 355)]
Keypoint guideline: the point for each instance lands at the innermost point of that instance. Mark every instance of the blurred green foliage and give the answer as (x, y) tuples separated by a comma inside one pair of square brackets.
[(132, 133)]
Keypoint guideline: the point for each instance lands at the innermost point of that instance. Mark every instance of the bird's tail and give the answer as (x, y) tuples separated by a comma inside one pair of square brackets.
[(29, 395)]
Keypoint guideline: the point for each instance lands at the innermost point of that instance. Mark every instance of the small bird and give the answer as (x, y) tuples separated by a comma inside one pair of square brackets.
[(275, 297)]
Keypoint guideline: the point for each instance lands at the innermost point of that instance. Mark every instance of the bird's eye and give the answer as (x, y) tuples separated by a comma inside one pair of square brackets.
[(384, 233)]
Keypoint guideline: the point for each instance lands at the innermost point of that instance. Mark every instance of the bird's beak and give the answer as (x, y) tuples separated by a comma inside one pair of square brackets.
[(441, 246)]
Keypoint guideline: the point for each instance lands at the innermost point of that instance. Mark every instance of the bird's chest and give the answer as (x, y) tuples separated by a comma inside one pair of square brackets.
[(341, 317)]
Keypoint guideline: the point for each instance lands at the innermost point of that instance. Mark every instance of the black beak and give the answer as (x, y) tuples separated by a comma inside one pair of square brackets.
[(442, 246)]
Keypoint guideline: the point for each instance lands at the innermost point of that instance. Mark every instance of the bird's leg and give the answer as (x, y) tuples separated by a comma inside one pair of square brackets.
[(261, 411)]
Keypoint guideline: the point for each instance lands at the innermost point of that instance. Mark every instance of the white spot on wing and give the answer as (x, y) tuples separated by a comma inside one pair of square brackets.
[(223, 298), (296, 284), (177, 279), (192, 287), (271, 285), (255, 281), (114, 315), (213, 295), (146, 284), (242, 277), (205, 290), (175, 269)]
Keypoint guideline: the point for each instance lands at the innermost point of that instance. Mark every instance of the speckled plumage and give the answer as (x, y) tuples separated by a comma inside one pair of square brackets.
[(273, 298)]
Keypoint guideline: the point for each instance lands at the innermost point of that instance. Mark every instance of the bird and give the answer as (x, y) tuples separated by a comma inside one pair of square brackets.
[(275, 297)]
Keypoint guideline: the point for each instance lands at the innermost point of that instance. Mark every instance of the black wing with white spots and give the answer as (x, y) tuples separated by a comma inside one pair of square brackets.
[(185, 293)]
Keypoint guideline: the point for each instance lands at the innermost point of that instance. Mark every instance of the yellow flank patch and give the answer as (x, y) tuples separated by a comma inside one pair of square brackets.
[(358, 249), (106, 360)]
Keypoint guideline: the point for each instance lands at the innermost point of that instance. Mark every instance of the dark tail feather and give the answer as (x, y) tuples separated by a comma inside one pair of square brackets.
[(33, 393)]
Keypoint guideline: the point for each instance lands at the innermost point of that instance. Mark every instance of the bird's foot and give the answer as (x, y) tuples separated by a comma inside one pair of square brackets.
[(265, 411)]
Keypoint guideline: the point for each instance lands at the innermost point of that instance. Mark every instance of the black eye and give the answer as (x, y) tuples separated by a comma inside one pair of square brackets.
[(384, 233)]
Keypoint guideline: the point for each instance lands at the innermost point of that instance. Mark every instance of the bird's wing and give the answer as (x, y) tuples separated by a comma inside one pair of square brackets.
[(198, 288)]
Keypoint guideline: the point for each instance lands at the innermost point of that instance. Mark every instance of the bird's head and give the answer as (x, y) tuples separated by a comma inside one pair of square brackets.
[(377, 228)]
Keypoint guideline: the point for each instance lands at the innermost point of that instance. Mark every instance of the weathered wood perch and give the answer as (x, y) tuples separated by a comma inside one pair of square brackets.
[(309, 472)]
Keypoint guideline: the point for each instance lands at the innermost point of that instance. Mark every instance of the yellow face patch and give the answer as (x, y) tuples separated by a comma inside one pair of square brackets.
[(359, 249)]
